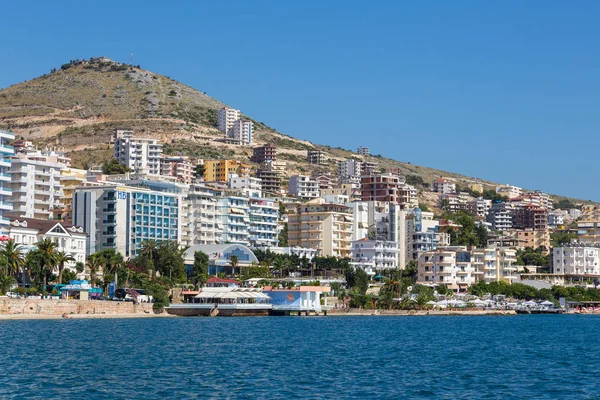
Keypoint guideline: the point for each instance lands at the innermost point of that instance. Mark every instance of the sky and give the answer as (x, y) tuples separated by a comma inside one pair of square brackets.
[(504, 91)]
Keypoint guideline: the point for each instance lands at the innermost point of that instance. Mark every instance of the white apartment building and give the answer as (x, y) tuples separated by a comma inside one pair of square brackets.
[(350, 171), (363, 151), (36, 186), (179, 167), (458, 268), (303, 187), (254, 185), (226, 119), (480, 207), (242, 131), (264, 226), (139, 154), (6, 151), (69, 239), (500, 216), (301, 252), (444, 185), (201, 222), (377, 254), (509, 191), (576, 260)]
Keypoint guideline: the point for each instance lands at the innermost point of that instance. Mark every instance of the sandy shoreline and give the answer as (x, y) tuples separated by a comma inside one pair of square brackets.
[(9, 317)]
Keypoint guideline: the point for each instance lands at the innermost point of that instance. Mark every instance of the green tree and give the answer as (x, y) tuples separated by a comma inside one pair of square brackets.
[(280, 263), (6, 283), (482, 235), (283, 236), (564, 204), (199, 171), (94, 265), (234, 261), (47, 247), (61, 258), (12, 257), (200, 268), (114, 167), (559, 238)]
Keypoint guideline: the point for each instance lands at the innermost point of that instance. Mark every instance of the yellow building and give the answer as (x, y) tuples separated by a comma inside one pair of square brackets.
[(477, 187), (531, 238), (70, 178), (588, 225), (325, 227), (219, 170)]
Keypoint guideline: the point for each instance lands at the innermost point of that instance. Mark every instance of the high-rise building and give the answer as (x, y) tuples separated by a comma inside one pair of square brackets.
[(350, 171), (263, 154), (242, 131), (225, 120), (321, 226), (36, 185), (141, 155), (6, 151), (264, 216), (123, 217), (219, 170)]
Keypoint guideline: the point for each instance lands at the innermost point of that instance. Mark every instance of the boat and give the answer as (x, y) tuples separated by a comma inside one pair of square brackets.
[(224, 301)]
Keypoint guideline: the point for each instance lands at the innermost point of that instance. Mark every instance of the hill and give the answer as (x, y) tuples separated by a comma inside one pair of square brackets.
[(78, 106)]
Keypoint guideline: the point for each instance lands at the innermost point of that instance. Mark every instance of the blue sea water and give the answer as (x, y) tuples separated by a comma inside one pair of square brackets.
[(516, 357)]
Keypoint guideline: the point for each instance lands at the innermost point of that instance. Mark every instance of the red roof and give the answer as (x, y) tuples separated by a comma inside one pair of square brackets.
[(214, 279)]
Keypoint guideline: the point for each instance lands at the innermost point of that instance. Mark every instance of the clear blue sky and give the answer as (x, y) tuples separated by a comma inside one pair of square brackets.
[(507, 91)]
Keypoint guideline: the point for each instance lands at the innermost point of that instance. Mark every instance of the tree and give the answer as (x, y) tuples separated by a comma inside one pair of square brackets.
[(283, 236), (47, 247), (200, 268), (391, 289), (564, 204), (415, 180), (423, 207), (6, 283), (149, 254), (114, 167), (12, 256), (482, 235), (411, 271), (94, 264), (280, 263), (234, 261), (61, 258), (529, 256), (199, 171), (560, 238)]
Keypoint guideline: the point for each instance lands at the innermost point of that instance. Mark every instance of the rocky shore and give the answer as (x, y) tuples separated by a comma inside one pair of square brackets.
[(361, 312)]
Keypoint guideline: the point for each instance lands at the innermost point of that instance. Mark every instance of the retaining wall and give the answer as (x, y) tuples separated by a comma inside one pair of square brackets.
[(59, 307)]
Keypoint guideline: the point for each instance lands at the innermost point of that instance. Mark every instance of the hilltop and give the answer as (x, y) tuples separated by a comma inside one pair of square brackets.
[(78, 105)]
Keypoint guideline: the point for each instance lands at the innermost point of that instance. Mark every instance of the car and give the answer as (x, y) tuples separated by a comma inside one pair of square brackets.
[(12, 295)]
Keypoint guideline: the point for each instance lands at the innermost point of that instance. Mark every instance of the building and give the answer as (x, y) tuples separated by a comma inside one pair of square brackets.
[(444, 185), (576, 260), (219, 257), (219, 170), (233, 219), (457, 268), (242, 131), (121, 217), (345, 189), (375, 255), (263, 154), (301, 252), (556, 218), (248, 184), (588, 226), (139, 154), (70, 178), (501, 216), (316, 157), (6, 151), (390, 188), (324, 227), (202, 223), (476, 187), (226, 119), (350, 171), (303, 187), (509, 191), (480, 207), (270, 178), (530, 216), (264, 227), (363, 151), (69, 239), (533, 238), (454, 202), (179, 167), (36, 186), (326, 180)]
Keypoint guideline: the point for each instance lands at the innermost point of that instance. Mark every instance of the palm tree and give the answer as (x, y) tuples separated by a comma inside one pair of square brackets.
[(149, 252), (61, 258), (391, 289), (280, 263), (234, 261), (94, 264), (13, 257), (6, 282), (48, 248)]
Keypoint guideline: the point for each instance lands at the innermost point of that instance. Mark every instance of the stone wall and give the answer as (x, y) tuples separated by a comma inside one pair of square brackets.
[(59, 307)]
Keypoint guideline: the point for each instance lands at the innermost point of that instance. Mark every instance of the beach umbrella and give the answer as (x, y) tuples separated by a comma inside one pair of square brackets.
[(432, 303), (530, 303), (547, 303)]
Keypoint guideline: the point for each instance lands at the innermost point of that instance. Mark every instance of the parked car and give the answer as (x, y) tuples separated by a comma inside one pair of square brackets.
[(12, 295)]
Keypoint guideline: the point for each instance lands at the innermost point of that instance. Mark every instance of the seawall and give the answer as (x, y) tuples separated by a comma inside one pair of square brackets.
[(44, 307), (358, 311)]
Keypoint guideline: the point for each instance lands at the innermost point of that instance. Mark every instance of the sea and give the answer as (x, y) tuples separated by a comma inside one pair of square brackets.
[(380, 357)]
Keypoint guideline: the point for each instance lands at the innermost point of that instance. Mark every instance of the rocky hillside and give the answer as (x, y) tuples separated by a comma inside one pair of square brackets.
[(79, 105)]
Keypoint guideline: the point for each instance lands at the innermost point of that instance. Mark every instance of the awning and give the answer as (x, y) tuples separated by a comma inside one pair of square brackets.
[(236, 211)]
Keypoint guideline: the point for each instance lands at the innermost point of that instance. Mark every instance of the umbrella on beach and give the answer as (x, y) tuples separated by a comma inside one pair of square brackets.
[(530, 303), (547, 303), (432, 303)]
